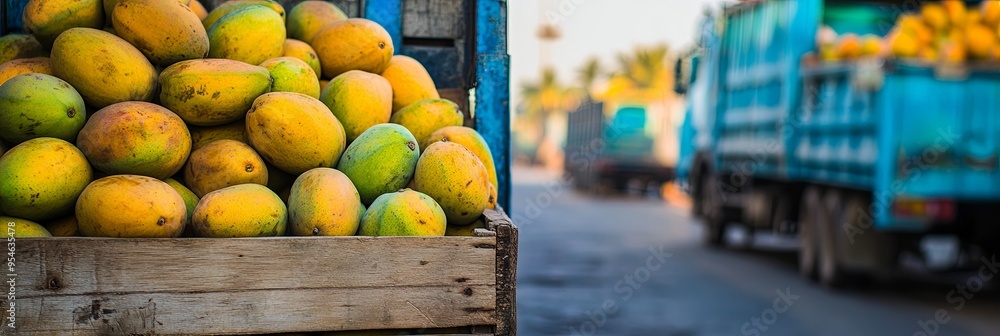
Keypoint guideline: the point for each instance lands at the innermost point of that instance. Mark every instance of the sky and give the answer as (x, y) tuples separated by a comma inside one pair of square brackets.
[(601, 28)]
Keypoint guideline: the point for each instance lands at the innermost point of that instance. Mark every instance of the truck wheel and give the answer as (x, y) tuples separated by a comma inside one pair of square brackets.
[(832, 241), (713, 217), (808, 227), (697, 191)]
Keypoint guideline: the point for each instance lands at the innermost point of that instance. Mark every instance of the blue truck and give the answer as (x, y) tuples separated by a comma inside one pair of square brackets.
[(865, 162)]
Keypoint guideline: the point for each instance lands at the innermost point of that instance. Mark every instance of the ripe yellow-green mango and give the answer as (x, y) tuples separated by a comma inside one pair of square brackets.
[(291, 74), (454, 177), (410, 82), (104, 68), (166, 32), (232, 5), (324, 202), (109, 8), (360, 100), (403, 213), (203, 135), (353, 44), (17, 46), (30, 186), (222, 164), (198, 10), (251, 34), (47, 19), (190, 199), (380, 161), (465, 230), (246, 210), (12, 68), (130, 206), (136, 138), (22, 228), (472, 141), (308, 17), (304, 52), (425, 117), (37, 105), (63, 227), (210, 92), (295, 132)]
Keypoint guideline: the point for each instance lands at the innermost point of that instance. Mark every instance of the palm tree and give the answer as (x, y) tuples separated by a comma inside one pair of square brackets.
[(541, 100), (589, 73)]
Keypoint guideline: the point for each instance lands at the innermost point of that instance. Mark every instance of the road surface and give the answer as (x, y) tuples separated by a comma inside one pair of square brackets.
[(635, 266)]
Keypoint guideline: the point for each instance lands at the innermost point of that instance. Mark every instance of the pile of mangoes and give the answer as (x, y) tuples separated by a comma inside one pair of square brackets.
[(157, 118)]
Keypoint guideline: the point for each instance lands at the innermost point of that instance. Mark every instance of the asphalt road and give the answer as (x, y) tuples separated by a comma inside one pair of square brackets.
[(635, 266)]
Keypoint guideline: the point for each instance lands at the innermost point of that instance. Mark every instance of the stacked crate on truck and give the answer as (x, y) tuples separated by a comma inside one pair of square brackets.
[(243, 286), (862, 160)]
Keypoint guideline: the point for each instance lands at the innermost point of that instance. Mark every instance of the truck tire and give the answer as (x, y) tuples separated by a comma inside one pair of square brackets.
[(809, 220), (713, 217), (832, 241), (697, 191)]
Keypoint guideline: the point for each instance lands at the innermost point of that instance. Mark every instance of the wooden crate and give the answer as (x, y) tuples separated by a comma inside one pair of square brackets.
[(200, 286)]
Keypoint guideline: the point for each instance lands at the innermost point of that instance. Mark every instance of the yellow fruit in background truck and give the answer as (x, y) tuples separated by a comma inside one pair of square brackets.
[(360, 100), (471, 140), (246, 210), (104, 68), (324, 202), (136, 138), (308, 17), (17, 46), (12, 68), (957, 13), (251, 34), (222, 164), (904, 45), (935, 16), (353, 44), (981, 41), (212, 92), (41, 178), (451, 175), (291, 74), (380, 161), (849, 47), (304, 52), (230, 6), (426, 116), (22, 228), (990, 11), (46, 19), (295, 132), (410, 82), (203, 135), (37, 105), (166, 32), (130, 206), (403, 213)]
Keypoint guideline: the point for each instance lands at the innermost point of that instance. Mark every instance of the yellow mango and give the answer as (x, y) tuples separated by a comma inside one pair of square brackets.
[(109, 8), (474, 142), (426, 116), (403, 213), (29, 186), (22, 228), (232, 5), (295, 132), (451, 175), (308, 17), (46, 19), (245, 210), (190, 199), (12, 68), (410, 82), (104, 68), (130, 206), (360, 100), (465, 230), (290, 74), (136, 138), (165, 31), (353, 44), (210, 92), (17, 46), (221, 164), (981, 41), (304, 52), (38, 105), (252, 34), (936, 16), (203, 135), (198, 10), (990, 11), (324, 202)]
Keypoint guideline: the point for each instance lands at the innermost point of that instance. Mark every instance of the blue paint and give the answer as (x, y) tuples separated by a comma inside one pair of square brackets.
[(389, 14), (492, 113), (13, 10)]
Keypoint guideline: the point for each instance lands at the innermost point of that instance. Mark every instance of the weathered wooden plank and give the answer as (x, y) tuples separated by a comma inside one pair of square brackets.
[(73, 265), (259, 311), (444, 19), (506, 271)]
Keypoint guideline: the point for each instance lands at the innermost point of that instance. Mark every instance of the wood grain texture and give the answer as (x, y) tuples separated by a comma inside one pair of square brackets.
[(506, 270)]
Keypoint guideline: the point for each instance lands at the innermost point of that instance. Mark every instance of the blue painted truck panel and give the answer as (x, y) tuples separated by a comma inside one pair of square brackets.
[(899, 130)]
